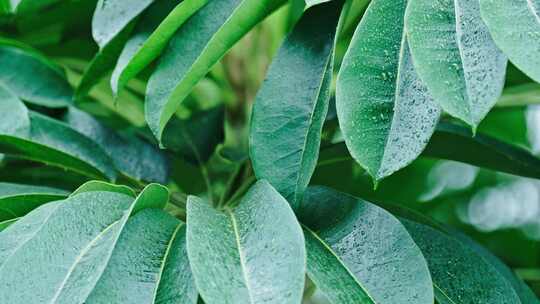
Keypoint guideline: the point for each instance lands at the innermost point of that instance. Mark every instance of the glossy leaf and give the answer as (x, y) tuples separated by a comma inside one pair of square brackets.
[(7, 223), (94, 221), (459, 273), (454, 142), (359, 253), (285, 132), (131, 156), (196, 138), (385, 112), (194, 49), (33, 78), (17, 200), (28, 6), (130, 277), (111, 17), (456, 57), (36, 137), (252, 254), (515, 27), (150, 36)]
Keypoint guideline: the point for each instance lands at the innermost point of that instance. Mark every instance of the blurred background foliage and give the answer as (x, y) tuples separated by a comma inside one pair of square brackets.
[(499, 210)]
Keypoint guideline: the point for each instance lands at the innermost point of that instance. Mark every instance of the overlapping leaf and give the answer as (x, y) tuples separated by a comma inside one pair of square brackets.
[(194, 49), (112, 17), (150, 36), (515, 27), (17, 200), (385, 112), (149, 264), (84, 230), (359, 253), (36, 137), (197, 137), (459, 273), (31, 77), (252, 254), (456, 57), (286, 128), (131, 156)]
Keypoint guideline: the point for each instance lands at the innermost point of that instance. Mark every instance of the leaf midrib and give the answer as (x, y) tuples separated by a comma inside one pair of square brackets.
[(329, 249), (240, 253)]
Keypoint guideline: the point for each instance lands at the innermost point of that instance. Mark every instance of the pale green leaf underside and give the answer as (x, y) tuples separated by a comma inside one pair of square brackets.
[(456, 57), (84, 230), (458, 272), (194, 49), (36, 137), (370, 244), (31, 78), (149, 264), (17, 200), (112, 16), (93, 186), (285, 131), (252, 254), (515, 27), (385, 112), (150, 36)]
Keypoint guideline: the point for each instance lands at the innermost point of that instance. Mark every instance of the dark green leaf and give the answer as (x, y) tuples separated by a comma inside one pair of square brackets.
[(286, 128), (459, 273), (39, 138), (454, 142), (130, 277), (29, 6), (93, 220), (194, 49), (515, 27), (33, 78), (7, 223), (17, 200), (257, 248), (357, 250), (150, 36), (111, 17), (197, 137), (385, 112), (456, 57), (131, 156)]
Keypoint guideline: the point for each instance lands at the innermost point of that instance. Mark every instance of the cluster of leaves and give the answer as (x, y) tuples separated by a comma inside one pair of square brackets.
[(102, 230)]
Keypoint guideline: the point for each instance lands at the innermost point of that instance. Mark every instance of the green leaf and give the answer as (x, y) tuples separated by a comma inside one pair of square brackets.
[(112, 17), (525, 294), (258, 248), (150, 36), (194, 49), (456, 57), (459, 273), (17, 200), (36, 137), (93, 186), (131, 156), (197, 137), (454, 142), (130, 277), (28, 6), (102, 63), (94, 221), (33, 78), (5, 224), (285, 132), (357, 250), (515, 27), (385, 112)]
